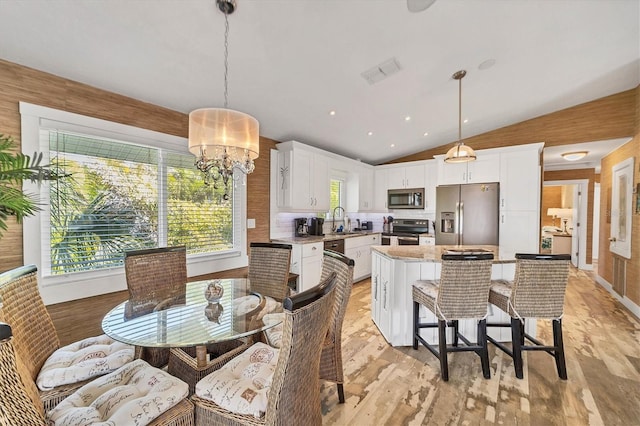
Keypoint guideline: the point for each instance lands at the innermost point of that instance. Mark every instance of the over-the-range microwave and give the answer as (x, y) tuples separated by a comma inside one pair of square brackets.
[(412, 198)]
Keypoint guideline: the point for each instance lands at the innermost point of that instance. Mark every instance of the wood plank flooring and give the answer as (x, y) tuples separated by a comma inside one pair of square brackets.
[(401, 386)]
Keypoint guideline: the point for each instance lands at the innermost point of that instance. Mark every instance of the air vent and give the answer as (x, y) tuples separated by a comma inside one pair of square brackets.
[(381, 71)]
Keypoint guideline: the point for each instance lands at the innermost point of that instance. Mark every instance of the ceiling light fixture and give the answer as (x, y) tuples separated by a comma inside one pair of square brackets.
[(407, 118), (370, 133), (574, 156), (460, 153), (332, 113), (222, 139)]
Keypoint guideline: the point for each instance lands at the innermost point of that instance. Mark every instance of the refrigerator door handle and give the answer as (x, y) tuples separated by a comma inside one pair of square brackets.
[(461, 222)]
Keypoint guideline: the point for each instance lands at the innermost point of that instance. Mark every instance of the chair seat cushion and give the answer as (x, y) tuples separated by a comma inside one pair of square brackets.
[(246, 304), (500, 294), (274, 334), (135, 394), (83, 360), (426, 293), (242, 385)]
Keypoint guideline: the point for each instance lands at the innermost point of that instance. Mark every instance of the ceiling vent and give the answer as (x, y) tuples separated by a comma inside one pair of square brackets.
[(382, 71)]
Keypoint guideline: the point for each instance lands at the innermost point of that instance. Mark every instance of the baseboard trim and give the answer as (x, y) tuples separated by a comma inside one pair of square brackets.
[(628, 303)]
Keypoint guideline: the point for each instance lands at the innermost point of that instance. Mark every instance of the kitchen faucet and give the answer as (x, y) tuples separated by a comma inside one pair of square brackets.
[(333, 221)]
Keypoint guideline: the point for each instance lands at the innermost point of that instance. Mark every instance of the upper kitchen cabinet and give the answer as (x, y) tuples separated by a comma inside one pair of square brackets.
[(360, 197), (431, 178), (486, 168), (302, 178), (380, 187), (520, 176), (406, 175)]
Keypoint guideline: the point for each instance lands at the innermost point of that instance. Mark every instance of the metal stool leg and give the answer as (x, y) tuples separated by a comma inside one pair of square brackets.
[(558, 352), (483, 352), (516, 339), (442, 346), (416, 318)]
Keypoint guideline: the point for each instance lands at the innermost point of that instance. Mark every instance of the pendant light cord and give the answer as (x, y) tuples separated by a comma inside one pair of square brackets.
[(460, 110), (226, 58)]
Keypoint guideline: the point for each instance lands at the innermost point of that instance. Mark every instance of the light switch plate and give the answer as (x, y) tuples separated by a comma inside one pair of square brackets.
[(251, 223)]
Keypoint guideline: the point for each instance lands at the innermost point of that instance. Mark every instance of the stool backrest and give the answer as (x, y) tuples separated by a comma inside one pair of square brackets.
[(269, 265), (539, 285), (343, 267), (465, 281)]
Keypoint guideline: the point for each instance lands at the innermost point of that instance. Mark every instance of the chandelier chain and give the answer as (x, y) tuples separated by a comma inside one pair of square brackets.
[(226, 59)]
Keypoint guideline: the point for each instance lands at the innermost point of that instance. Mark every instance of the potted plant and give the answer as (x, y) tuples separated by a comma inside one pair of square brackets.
[(16, 167)]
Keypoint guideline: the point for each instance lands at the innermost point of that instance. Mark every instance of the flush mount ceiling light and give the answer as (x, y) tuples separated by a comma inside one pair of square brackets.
[(574, 156), (460, 153), (222, 139)]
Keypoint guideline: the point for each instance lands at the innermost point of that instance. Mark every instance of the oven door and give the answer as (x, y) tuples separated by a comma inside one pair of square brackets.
[(408, 241)]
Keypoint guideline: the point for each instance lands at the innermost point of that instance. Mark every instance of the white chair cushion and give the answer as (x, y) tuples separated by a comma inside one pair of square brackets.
[(274, 334), (83, 360), (135, 394), (245, 304), (242, 385)]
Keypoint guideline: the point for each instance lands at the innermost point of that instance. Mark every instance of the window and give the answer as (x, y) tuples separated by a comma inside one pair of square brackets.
[(130, 188), (336, 197)]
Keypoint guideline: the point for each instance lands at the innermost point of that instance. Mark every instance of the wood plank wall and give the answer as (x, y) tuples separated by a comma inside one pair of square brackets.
[(551, 197), (18, 83)]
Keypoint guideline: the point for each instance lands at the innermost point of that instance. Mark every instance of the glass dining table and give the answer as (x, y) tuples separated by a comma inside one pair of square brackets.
[(212, 311)]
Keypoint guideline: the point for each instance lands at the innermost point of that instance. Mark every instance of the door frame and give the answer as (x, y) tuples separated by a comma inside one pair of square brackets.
[(581, 185)]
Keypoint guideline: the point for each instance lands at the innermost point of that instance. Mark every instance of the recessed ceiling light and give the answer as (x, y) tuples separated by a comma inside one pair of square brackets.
[(393, 145), (574, 156), (466, 120), (332, 113), (426, 134), (370, 133), (407, 118)]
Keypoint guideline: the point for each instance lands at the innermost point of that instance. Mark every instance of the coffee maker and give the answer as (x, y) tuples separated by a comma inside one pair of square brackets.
[(315, 226), (300, 227)]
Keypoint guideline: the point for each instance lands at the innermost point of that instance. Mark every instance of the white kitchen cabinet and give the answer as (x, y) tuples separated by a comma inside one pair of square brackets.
[(365, 193), (381, 294), (306, 261), (520, 179), (302, 179), (359, 249), (426, 241), (519, 232), (406, 175), (431, 180), (486, 168), (380, 188)]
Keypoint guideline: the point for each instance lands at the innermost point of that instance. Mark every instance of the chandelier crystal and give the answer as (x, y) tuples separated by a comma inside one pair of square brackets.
[(460, 153), (223, 140)]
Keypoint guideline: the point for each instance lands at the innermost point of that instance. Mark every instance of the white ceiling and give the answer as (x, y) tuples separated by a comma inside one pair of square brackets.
[(553, 159), (291, 62)]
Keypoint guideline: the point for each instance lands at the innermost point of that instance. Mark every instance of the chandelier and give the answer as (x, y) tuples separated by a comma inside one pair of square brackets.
[(460, 153), (223, 140)]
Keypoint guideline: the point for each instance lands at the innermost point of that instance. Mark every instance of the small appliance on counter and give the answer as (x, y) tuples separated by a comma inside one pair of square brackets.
[(366, 225), (315, 226), (300, 227)]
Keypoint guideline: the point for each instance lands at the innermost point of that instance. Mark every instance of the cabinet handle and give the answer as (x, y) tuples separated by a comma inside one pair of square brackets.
[(502, 203), (384, 295), (375, 288), (502, 216), (464, 176), (314, 248), (469, 176)]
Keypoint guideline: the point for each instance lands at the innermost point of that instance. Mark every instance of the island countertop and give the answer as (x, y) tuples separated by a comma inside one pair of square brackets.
[(434, 253)]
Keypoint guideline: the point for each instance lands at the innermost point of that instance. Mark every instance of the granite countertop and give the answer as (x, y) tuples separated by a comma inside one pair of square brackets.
[(326, 237), (432, 253)]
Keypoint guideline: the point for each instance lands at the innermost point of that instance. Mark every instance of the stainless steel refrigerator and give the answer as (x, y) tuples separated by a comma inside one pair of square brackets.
[(467, 214)]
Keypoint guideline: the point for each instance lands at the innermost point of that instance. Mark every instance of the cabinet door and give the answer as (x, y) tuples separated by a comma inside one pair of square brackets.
[(519, 180), (301, 177), (431, 177), (486, 168), (358, 267), (321, 183), (311, 272), (414, 176), (380, 187), (519, 233), (384, 315), (451, 173), (365, 188), (396, 177), (375, 288)]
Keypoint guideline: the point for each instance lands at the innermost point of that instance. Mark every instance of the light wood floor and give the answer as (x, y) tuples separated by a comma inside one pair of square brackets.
[(401, 386)]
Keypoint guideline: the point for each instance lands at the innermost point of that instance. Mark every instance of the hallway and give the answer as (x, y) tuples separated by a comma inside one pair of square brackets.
[(400, 386)]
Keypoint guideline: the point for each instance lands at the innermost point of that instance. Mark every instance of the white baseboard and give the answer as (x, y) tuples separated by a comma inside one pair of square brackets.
[(628, 303)]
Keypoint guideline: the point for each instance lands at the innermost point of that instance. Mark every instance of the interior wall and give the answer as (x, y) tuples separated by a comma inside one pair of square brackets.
[(551, 198), (18, 83)]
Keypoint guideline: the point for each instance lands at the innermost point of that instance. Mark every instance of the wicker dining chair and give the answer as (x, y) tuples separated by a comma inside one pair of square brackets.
[(156, 278), (58, 371), (269, 265), (294, 394), (537, 291), (21, 405), (462, 292)]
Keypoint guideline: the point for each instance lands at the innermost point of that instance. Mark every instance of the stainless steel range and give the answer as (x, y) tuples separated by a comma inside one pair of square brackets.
[(406, 232)]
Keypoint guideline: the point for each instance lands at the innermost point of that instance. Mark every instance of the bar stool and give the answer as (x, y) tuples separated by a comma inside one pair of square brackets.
[(462, 292), (537, 292)]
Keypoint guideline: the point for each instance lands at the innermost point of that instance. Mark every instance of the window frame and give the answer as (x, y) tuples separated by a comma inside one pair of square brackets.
[(65, 287)]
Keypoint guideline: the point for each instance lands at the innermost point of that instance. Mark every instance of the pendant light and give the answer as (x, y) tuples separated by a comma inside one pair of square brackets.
[(460, 153), (222, 139)]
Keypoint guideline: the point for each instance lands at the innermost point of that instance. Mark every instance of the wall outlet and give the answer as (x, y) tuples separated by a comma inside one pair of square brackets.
[(251, 223)]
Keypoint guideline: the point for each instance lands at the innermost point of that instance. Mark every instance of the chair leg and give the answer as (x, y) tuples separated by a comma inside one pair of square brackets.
[(442, 346), (340, 393), (483, 351), (516, 339), (559, 349), (455, 333), (416, 317)]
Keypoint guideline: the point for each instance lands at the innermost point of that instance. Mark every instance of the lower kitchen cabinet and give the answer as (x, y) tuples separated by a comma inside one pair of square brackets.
[(359, 249), (306, 261)]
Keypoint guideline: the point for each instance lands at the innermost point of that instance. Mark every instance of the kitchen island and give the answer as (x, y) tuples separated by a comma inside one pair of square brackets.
[(394, 270)]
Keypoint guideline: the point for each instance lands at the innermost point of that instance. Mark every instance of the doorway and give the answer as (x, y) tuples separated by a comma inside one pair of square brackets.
[(564, 218)]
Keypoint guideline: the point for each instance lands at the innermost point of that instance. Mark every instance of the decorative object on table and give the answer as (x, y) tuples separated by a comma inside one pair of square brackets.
[(214, 291), (214, 311), (16, 167), (460, 153), (223, 140)]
